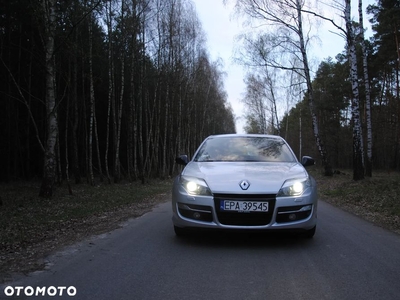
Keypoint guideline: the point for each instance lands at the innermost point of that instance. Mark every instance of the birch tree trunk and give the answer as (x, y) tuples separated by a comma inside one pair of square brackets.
[(117, 163), (132, 161), (166, 126), (368, 164), (310, 93), (91, 106), (157, 128), (49, 170), (130, 142), (97, 144), (141, 100), (358, 157), (74, 98), (66, 140), (110, 87), (274, 107)]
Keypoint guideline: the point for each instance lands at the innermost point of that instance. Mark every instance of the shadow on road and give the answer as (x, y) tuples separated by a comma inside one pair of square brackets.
[(244, 239)]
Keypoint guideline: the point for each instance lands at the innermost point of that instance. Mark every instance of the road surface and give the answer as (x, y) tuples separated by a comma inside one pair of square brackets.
[(347, 259)]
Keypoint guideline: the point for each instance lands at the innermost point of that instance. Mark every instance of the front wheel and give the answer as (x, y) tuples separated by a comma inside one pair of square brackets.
[(179, 231), (309, 234)]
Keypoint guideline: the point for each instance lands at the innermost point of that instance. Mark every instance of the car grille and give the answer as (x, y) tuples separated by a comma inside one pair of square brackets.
[(244, 218)]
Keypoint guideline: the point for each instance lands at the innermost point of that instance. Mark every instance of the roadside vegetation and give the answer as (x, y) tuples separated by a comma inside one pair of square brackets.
[(374, 199), (32, 227)]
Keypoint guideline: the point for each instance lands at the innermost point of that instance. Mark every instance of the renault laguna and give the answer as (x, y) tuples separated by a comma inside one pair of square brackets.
[(244, 182)]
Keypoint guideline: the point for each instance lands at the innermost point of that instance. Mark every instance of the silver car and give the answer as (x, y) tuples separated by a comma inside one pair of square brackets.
[(244, 182)]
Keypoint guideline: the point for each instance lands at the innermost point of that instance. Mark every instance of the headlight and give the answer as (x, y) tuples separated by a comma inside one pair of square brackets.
[(294, 187), (195, 186)]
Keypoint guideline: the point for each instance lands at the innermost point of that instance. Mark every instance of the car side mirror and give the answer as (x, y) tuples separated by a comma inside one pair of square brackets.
[(182, 160), (307, 161)]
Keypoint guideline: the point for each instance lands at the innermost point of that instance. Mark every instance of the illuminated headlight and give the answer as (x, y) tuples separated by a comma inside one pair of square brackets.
[(195, 186), (294, 187)]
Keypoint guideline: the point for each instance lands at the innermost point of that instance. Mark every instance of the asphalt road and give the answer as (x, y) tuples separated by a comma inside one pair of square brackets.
[(347, 259)]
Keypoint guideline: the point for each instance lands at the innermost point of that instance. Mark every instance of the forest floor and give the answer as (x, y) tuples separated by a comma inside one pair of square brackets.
[(31, 228), (375, 199)]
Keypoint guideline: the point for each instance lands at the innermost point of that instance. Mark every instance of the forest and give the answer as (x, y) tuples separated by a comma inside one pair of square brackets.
[(122, 89), (346, 114), (111, 90), (332, 94)]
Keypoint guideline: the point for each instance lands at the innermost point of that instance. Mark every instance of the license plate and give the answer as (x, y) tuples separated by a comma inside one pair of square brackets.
[(243, 206)]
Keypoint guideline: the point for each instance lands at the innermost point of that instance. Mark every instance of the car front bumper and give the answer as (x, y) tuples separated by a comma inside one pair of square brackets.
[(285, 213)]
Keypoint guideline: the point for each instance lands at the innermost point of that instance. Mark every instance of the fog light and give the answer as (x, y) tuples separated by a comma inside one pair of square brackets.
[(196, 215), (305, 208), (292, 217)]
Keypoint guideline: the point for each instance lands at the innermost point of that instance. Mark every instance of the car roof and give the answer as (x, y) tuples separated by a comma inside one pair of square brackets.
[(246, 135)]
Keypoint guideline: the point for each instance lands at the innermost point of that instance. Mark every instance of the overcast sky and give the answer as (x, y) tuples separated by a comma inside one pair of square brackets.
[(221, 29)]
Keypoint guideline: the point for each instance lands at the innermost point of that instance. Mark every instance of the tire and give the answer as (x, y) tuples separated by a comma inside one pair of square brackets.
[(309, 234), (179, 231)]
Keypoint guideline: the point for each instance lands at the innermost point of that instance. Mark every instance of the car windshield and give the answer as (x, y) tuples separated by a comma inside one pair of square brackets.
[(255, 149)]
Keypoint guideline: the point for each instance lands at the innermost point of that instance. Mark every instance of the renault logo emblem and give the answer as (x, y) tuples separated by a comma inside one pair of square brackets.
[(244, 184)]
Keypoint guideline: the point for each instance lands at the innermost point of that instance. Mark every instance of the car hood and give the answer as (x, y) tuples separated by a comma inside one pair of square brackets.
[(263, 177)]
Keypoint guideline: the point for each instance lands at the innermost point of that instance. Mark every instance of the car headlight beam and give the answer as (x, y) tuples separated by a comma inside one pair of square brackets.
[(294, 187), (297, 188), (195, 186)]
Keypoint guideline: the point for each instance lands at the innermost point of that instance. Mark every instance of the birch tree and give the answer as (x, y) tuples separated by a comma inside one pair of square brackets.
[(358, 157), (368, 111), (91, 107), (286, 48), (138, 7), (261, 101), (161, 59), (49, 170), (255, 103), (119, 104), (75, 114), (271, 86), (110, 71), (349, 34)]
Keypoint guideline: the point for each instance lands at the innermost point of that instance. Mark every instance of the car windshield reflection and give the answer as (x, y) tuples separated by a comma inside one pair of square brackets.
[(244, 149)]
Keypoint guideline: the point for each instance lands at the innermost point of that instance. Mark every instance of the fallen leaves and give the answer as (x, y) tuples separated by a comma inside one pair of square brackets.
[(31, 227)]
